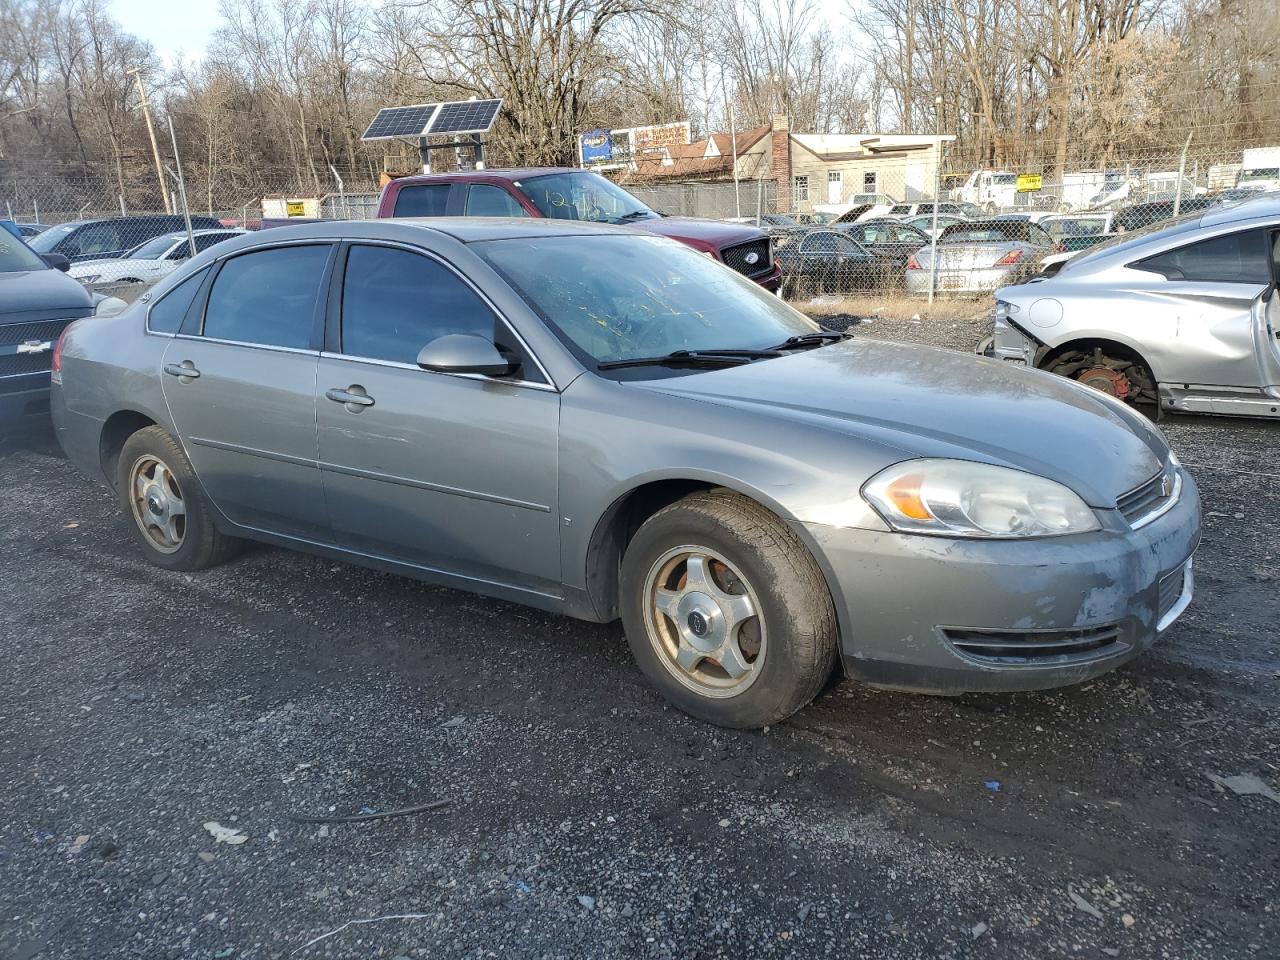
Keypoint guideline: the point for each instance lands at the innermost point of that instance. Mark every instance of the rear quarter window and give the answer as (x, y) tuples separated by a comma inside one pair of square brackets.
[(167, 313), (1240, 257)]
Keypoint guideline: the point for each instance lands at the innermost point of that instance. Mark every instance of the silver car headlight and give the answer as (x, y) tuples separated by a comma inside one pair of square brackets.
[(958, 498)]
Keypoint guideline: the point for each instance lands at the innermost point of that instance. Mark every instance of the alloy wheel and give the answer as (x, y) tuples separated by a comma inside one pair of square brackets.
[(158, 506)]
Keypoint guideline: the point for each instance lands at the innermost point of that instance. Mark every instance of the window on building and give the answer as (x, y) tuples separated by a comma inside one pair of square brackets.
[(869, 182), (800, 188)]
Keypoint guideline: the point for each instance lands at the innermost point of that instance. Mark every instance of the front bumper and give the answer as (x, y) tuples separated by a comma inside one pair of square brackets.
[(24, 399), (910, 606), (771, 281)]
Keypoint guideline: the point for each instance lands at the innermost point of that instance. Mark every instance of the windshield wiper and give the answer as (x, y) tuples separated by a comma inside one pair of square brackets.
[(816, 339), (633, 215), (680, 357)]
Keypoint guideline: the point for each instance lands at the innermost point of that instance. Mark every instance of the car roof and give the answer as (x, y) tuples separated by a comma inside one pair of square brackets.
[(462, 229), (133, 219), (1264, 205), (509, 174)]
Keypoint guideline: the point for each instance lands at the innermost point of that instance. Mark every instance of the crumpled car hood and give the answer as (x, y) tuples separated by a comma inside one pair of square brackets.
[(927, 402)]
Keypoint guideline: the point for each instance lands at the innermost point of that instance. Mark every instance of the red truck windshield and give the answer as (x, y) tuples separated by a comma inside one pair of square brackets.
[(582, 196)]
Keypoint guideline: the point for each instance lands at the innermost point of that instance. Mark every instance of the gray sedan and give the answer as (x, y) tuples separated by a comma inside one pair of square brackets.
[(979, 256), (607, 424), (1181, 313)]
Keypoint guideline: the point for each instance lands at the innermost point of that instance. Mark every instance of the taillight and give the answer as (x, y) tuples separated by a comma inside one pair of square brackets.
[(913, 263), (1010, 258), (1062, 246), (56, 366)]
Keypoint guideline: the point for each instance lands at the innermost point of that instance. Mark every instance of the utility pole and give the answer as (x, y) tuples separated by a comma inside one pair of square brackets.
[(151, 131), (937, 189)]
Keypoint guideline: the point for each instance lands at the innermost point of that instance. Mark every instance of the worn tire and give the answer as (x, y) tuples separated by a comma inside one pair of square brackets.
[(795, 605), (202, 545)]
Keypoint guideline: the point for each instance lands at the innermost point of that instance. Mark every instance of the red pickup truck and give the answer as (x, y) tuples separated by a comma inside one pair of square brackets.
[(568, 194)]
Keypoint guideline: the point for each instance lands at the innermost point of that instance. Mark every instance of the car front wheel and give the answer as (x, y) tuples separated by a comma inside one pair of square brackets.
[(726, 612), (170, 516)]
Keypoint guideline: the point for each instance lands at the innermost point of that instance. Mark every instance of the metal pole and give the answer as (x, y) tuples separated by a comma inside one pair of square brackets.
[(342, 193), (35, 205), (937, 188), (1182, 169), (733, 138), (9, 206), (123, 212), (151, 131), (182, 188)]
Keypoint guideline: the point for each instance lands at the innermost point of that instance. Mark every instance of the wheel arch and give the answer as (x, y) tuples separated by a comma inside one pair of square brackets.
[(628, 510), (116, 430), (1120, 348)]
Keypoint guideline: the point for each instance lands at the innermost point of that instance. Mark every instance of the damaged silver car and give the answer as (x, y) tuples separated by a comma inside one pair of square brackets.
[(1182, 314), (608, 424)]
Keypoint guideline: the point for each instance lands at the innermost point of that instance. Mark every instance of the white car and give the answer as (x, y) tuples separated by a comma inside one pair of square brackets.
[(148, 262)]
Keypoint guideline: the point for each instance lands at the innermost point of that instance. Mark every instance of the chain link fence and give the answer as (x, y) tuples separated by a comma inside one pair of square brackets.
[(856, 227)]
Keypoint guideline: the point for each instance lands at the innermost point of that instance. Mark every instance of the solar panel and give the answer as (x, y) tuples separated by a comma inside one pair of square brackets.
[(466, 116), (392, 122)]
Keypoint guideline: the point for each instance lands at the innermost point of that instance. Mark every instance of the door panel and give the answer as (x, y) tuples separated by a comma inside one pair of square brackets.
[(1215, 332), (453, 473), (240, 382), (248, 425)]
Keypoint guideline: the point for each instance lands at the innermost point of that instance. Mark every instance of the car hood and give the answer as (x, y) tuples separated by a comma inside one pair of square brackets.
[(29, 293), (713, 232), (926, 402), (82, 267)]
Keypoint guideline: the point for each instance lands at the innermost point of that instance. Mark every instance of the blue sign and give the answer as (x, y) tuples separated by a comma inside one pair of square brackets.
[(596, 146)]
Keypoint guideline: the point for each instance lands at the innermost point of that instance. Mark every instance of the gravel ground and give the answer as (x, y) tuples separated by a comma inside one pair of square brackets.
[(585, 818)]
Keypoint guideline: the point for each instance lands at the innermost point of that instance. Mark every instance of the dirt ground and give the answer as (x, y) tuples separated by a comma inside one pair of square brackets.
[(585, 818)]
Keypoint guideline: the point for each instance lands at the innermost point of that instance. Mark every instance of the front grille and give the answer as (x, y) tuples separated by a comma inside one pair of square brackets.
[(1041, 648), (1147, 501), (737, 257), (40, 330), (13, 364)]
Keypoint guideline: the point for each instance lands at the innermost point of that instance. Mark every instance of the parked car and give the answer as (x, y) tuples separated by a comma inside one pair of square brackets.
[(1077, 231), (924, 222), (904, 210), (37, 301), (149, 261), (112, 237), (814, 219), (830, 261), (767, 221), (1140, 215), (606, 424), (886, 238), (569, 194), (1173, 314), (979, 256)]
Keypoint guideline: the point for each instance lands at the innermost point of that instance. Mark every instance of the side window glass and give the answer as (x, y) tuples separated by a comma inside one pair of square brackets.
[(424, 200), (267, 297), (486, 200), (166, 313), (395, 302), (102, 238), (206, 241), (1243, 257)]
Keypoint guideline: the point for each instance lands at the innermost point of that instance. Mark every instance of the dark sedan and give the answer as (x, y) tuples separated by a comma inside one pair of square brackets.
[(830, 261), (887, 238)]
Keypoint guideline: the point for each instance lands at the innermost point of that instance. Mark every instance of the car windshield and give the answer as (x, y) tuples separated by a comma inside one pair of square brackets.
[(15, 256), (582, 196), (612, 298), (1075, 227), (153, 249), (46, 241)]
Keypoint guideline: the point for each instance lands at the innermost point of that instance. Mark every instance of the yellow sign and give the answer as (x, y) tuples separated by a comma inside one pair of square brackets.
[(1027, 183), (296, 208)]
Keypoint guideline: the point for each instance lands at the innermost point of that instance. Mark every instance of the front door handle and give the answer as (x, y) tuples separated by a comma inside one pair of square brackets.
[(354, 397), (186, 370)]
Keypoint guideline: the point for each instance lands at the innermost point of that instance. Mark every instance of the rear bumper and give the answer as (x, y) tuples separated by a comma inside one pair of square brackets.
[(1069, 608), (977, 280)]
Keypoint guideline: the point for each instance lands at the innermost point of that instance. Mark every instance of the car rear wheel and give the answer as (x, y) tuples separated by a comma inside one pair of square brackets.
[(1124, 378), (171, 518), (726, 612)]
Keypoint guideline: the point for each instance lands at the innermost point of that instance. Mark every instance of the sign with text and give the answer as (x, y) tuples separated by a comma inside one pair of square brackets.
[(1029, 182)]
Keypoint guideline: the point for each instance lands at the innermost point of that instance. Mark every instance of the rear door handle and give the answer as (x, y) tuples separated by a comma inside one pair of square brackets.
[(354, 397), (186, 369)]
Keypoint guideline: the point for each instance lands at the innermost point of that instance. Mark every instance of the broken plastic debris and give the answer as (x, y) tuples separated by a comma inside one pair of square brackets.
[(992, 785), (223, 834), (1245, 785), (1083, 904)]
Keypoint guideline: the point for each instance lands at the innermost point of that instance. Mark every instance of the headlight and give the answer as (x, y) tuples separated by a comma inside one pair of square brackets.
[(957, 498), (90, 278)]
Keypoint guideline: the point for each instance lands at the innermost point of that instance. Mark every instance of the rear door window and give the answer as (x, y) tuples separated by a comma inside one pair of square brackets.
[(423, 200), (1241, 257), (486, 200), (268, 297)]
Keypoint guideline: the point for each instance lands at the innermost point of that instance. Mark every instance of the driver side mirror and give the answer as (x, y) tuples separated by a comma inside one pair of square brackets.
[(464, 353), (57, 261)]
